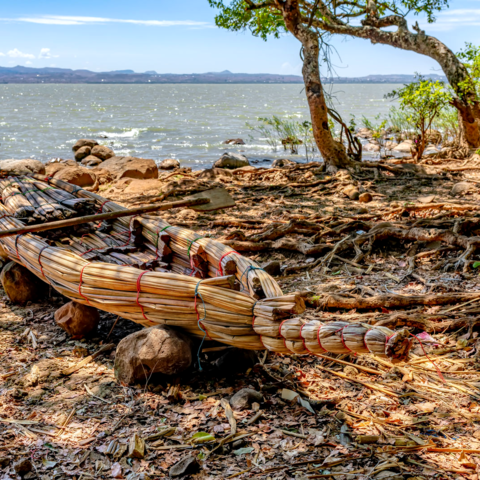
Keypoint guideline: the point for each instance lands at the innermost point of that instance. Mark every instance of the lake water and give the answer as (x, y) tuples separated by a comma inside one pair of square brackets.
[(187, 122)]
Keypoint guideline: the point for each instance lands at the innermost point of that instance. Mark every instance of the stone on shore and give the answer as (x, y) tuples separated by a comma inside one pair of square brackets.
[(102, 152), (91, 161), (131, 167), (169, 164), (371, 147), (232, 160), (404, 147), (82, 152), (364, 133), (80, 176), (20, 284), (159, 349), (234, 141), (461, 188), (351, 192), (76, 319), (22, 167), (244, 398), (283, 163), (84, 142)]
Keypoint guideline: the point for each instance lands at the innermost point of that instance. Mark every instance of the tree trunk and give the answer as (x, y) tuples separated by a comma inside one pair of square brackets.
[(334, 153), (467, 101)]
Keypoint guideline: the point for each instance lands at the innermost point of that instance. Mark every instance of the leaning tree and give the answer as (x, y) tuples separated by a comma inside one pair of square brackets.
[(382, 22)]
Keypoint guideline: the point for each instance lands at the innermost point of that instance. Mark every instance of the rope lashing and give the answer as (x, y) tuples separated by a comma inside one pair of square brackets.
[(16, 245), (343, 340), (138, 296), (220, 268), (158, 239), (80, 284), (40, 260), (199, 322), (249, 269)]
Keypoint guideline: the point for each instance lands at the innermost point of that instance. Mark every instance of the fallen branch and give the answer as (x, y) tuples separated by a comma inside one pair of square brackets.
[(87, 360)]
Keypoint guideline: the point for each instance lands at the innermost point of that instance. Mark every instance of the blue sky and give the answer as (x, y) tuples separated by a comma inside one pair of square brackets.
[(180, 37)]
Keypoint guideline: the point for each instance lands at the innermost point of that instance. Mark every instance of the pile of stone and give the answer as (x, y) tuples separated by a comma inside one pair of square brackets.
[(90, 153)]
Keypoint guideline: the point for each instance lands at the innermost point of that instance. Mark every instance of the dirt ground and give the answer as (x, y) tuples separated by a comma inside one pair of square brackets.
[(355, 417)]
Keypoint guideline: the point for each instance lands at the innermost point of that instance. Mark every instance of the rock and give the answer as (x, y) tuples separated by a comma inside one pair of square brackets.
[(52, 168), (283, 162), (20, 284), (22, 167), (23, 466), (244, 398), (365, 197), (83, 142), (371, 147), (169, 164), (231, 160), (364, 133), (213, 173), (159, 349), (389, 145), (82, 152), (102, 152), (234, 141), (131, 167), (185, 466), (273, 268), (461, 188), (80, 176), (351, 192), (36, 395), (403, 147), (76, 319), (141, 187), (91, 161), (136, 447)]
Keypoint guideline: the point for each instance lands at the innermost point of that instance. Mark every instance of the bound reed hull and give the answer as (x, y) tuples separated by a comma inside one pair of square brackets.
[(156, 273)]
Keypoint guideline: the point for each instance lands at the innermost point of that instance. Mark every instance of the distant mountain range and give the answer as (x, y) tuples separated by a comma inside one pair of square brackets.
[(21, 74)]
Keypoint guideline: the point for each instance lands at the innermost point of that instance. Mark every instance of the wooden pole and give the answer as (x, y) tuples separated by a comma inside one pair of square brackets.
[(103, 216)]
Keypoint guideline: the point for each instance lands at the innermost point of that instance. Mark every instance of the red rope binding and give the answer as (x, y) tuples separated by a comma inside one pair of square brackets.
[(80, 284), (40, 260), (138, 295), (280, 328), (101, 206), (439, 373), (220, 269)]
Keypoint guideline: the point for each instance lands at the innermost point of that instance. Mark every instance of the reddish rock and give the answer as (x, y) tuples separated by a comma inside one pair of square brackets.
[(81, 176), (131, 167), (76, 319), (102, 152), (91, 161), (22, 167), (169, 164), (159, 349), (365, 197)]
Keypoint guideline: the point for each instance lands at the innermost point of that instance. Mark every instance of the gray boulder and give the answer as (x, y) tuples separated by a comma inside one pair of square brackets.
[(244, 398), (159, 349), (91, 161), (461, 188), (232, 160), (22, 167)]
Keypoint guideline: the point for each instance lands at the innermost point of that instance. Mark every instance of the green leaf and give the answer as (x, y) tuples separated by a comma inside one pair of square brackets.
[(337, 273), (202, 437), (476, 265), (202, 397), (48, 463)]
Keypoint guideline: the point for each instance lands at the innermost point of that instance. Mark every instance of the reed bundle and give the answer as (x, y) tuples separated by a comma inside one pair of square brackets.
[(135, 283)]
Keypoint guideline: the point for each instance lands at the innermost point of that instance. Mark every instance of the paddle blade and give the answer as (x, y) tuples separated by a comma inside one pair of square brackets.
[(219, 198)]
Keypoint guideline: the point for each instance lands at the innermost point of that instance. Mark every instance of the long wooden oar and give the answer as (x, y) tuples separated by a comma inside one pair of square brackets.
[(209, 198)]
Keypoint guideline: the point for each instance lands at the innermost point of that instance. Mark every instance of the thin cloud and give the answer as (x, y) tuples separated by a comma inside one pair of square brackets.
[(46, 53), (456, 18), (16, 53), (78, 20)]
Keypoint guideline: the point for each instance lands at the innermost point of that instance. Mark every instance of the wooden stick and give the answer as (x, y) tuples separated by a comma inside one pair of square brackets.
[(87, 360), (103, 216)]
